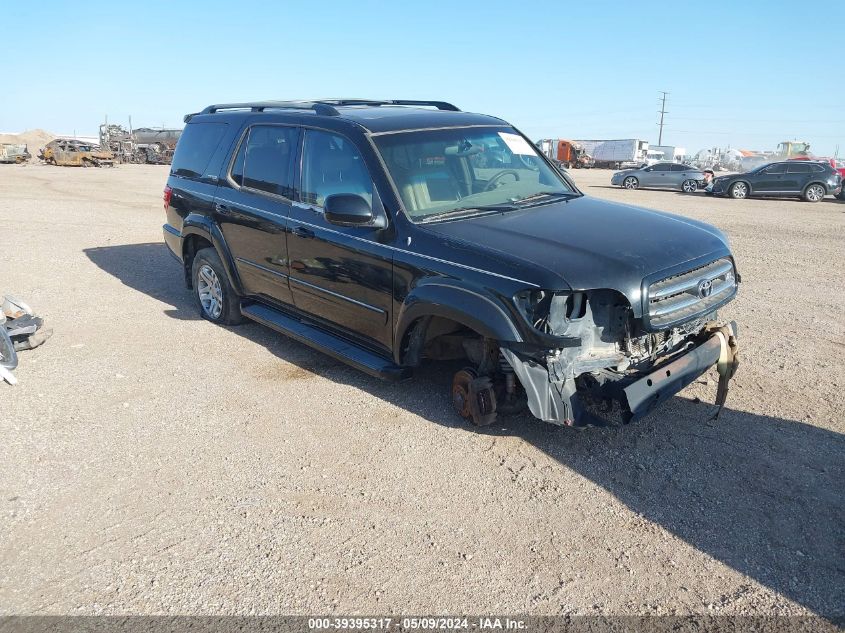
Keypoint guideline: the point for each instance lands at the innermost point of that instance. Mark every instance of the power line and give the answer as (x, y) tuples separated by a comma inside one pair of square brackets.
[(662, 112)]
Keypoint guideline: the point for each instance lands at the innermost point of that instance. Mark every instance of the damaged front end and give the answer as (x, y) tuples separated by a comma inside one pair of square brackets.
[(607, 358)]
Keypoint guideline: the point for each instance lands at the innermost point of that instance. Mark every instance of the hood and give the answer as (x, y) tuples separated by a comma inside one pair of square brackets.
[(587, 243)]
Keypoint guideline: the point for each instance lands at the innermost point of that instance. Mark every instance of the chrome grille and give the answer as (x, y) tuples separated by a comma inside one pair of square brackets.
[(690, 294)]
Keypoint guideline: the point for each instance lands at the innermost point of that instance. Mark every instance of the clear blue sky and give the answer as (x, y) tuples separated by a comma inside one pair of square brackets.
[(747, 73)]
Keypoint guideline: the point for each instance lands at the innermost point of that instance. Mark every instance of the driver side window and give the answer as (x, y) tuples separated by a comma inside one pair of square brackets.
[(332, 164)]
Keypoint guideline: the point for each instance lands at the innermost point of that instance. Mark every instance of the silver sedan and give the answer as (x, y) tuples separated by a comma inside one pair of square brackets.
[(662, 176)]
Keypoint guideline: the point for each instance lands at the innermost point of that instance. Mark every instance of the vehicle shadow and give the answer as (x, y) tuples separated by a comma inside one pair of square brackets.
[(763, 495)]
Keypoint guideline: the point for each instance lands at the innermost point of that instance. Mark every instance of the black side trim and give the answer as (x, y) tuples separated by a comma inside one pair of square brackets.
[(337, 295), (329, 344), (248, 262)]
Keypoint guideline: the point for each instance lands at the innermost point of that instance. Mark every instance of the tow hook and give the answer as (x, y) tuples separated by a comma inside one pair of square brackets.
[(727, 364)]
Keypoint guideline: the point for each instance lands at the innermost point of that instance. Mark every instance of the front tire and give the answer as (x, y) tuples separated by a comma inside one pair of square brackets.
[(216, 300), (689, 186), (739, 191), (814, 193), (630, 182)]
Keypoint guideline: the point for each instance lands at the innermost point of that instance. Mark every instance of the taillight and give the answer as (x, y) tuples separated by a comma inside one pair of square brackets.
[(167, 193)]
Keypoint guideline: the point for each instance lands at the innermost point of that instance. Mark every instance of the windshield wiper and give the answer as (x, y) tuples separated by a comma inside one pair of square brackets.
[(467, 211), (545, 194)]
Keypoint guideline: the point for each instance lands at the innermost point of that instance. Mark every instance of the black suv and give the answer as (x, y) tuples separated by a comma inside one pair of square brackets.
[(388, 233), (810, 180)]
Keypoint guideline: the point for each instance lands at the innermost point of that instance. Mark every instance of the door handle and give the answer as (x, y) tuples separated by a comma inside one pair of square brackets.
[(301, 231), (221, 208)]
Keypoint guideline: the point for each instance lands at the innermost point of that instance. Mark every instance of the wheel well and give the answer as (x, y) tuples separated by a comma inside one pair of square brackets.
[(192, 244), (439, 338)]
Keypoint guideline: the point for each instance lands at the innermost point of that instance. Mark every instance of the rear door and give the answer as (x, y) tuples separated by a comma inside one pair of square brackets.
[(253, 205), (797, 176), (680, 173), (341, 275)]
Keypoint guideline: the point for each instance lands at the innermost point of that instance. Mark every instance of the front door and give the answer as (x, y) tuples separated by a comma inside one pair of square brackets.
[(770, 179), (253, 206), (343, 276)]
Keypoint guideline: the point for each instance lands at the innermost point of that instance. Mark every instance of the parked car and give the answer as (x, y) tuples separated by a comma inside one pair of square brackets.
[(810, 180), (14, 153), (661, 176), (838, 164), (392, 233)]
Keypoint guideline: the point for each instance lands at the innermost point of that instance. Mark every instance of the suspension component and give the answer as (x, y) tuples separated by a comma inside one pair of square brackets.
[(473, 397), (510, 377)]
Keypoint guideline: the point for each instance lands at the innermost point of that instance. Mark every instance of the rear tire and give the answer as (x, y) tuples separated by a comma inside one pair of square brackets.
[(630, 182), (215, 298), (739, 191), (814, 192)]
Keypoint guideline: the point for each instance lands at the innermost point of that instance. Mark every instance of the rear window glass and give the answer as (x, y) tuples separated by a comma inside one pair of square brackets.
[(799, 168), (195, 148)]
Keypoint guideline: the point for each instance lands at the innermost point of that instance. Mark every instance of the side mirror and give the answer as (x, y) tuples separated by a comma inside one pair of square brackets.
[(348, 209)]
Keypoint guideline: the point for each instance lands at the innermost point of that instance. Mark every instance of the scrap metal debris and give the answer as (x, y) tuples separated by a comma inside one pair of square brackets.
[(20, 329), (73, 153)]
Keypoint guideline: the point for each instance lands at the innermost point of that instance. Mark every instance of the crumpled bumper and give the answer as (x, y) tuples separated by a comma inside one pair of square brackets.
[(720, 349)]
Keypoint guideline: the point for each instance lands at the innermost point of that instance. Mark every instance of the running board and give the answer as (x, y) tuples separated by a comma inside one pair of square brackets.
[(329, 344)]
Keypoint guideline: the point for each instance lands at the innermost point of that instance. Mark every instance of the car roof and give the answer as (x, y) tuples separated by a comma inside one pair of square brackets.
[(395, 118), (372, 115)]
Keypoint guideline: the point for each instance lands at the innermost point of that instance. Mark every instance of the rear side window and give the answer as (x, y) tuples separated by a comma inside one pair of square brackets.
[(820, 168), (679, 167), (264, 159), (195, 148), (799, 168)]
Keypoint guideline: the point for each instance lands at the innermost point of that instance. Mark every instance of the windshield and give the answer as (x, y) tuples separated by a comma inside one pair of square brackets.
[(466, 171)]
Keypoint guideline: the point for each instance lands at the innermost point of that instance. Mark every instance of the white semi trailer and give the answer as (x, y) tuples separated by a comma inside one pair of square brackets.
[(616, 153)]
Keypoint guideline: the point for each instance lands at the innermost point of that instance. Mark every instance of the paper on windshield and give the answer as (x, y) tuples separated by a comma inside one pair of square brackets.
[(517, 144)]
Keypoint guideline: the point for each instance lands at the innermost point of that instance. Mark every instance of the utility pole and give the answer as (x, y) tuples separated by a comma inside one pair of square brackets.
[(662, 112)]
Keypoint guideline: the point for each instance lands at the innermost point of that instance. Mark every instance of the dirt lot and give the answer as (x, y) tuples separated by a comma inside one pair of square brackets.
[(154, 463)]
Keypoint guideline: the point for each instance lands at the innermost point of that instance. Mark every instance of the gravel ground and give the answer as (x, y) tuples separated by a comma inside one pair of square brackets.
[(153, 463)]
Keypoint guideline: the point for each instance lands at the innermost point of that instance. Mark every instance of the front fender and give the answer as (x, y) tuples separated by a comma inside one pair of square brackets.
[(202, 226), (476, 309)]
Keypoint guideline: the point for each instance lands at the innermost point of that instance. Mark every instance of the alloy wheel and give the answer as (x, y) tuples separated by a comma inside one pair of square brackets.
[(690, 186), (630, 183), (815, 193), (210, 291), (739, 190)]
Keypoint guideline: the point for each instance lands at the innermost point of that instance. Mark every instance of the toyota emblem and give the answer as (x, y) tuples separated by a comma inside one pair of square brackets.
[(705, 288)]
